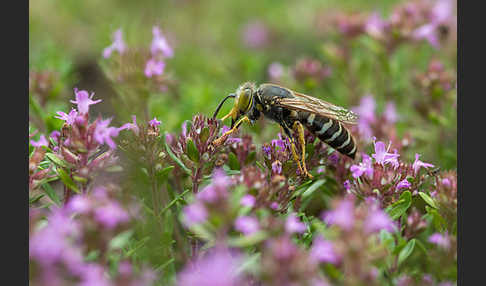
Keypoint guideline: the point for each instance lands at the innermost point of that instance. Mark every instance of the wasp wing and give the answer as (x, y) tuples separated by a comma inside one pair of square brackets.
[(318, 106)]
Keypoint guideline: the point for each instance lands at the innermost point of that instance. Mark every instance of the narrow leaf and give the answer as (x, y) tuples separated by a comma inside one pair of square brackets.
[(192, 151), (58, 161), (428, 199), (51, 194), (406, 251), (401, 206), (67, 180), (177, 160)]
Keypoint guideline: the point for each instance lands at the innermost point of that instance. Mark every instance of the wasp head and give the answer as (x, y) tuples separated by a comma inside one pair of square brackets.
[(243, 102)]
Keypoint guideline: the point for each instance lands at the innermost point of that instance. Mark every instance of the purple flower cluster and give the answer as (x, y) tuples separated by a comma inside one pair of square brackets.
[(310, 70), (213, 197), (370, 124), (58, 246), (345, 215), (217, 267), (78, 144), (118, 45), (255, 34), (384, 171)]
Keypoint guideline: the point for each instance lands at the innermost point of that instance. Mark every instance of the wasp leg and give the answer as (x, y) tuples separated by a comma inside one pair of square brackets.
[(292, 147), (299, 129), (223, 137)]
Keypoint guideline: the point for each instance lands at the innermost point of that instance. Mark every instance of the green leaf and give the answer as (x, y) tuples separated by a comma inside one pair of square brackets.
[(51, 194), (114, 169), (204, 134), (179, 197), (177, 160), (35, 199), (58, 161), (192, 151), (428, 199), (92, 255), (233, 162), (80, 179), (406, 251), (252, 263), (201, 232), (401, 206), (122, 239), (248, 240), (163, 174), (250, 158), (67, 180), (164, 265), (313, 188), (439, 222), (387, 239)]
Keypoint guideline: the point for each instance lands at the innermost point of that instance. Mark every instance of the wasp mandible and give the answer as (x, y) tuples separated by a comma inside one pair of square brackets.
[(292, 111)]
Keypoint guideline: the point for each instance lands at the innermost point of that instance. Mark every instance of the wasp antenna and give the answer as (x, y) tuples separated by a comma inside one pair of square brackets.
[(221, 104)]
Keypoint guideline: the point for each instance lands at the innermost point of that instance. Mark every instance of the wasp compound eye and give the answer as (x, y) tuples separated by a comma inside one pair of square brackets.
[(244, 100)]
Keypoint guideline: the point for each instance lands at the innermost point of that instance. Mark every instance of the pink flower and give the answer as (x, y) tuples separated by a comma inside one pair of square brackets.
[(79, 203), (292, 224), (347, 185), (382, 156), (218, 268), (390, 113), (103, 133), (403, 184), (427, 32), (69, 118), (42, 142), (255, 34), (94, 275), (277, 167), (217, 189), (375, 25), (51, 244), (111, 214), (117, 45), (194, 213), (275, 70), (323, 251), (154, 122), (160, 44), (131, 126), (248, 201), (366, 112), (441, 240), (154, 67), (419, 164), (440, 15), (274, 205), (247, 225), (365, 167), (55, 135), (366, 108), (342, 215), (377, 220), (83, 100)]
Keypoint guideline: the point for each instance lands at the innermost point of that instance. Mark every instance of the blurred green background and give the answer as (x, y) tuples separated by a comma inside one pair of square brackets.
[(211, 60)]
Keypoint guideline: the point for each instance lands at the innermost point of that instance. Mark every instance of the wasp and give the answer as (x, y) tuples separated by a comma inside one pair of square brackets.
[(292, 111)]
